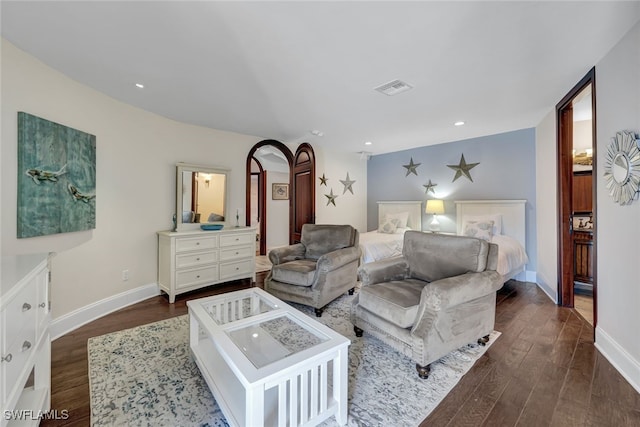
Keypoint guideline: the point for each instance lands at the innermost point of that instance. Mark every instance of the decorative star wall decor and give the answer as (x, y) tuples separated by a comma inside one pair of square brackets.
[(323, 180), (429, 187), (331, 198), (411, 167), (463, 168), (347, 184)]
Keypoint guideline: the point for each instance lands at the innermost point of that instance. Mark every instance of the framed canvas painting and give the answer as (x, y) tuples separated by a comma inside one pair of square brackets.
[(280, 191), (56, 178)]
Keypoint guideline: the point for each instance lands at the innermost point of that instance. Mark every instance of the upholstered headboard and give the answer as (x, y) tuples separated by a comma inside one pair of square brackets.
[(512, 211), (414, 207)]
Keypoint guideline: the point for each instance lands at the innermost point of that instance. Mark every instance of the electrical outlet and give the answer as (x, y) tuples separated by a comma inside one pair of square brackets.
[(125, 275)]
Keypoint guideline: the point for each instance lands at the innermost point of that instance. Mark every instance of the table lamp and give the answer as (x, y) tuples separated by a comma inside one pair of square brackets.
[(434, 207)]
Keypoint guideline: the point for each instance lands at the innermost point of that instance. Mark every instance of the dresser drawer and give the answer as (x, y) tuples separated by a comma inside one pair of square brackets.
[(196, 259), (186, 278), (235, 253), (14, 366), (185, 244), (234, 269), (237, 239), (19, 315)]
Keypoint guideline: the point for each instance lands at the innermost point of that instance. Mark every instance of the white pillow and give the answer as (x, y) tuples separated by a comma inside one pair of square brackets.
[(402, 217), (479, 229), (389, 226), (496, 218)]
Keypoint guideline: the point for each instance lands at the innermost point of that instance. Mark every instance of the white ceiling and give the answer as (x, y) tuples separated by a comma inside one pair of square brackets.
[(281, 69)]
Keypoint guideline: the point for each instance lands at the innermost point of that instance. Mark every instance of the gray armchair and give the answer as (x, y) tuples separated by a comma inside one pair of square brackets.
[(435, 298), (317, 270)]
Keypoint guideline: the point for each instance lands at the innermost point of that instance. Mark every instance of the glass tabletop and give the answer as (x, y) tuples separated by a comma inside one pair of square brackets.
[(235, 307), (274, 339)]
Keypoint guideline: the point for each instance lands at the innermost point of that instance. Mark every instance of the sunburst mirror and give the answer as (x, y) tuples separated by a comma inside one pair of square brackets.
[(622, 167)]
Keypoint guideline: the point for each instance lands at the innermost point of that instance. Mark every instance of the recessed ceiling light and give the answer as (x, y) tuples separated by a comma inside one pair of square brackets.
[(139, 85), (459, 123), (368, 143)]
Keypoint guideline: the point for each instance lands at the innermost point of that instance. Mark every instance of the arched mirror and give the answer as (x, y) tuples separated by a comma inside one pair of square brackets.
[(201, 196), (622, 167)]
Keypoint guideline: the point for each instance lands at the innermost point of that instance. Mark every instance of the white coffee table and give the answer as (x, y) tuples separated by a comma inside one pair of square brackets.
[(267, 363)]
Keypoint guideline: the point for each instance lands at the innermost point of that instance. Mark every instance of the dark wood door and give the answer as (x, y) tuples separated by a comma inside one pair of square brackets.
[(582, 191), (304, 194), (567, 250)]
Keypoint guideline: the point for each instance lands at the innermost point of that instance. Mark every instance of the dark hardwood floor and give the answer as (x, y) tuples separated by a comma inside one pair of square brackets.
[(543, 370)]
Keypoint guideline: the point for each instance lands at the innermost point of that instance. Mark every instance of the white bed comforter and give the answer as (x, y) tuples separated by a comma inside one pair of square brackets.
[(511, 254), (376, 246)]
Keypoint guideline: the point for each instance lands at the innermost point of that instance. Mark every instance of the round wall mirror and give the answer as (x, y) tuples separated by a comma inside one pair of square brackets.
[(622, 167)]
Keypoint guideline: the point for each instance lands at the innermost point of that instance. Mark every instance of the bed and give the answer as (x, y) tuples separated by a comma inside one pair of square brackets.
[(376, 245), (510, 238)]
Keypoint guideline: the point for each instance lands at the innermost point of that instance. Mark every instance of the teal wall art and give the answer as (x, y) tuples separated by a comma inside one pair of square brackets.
[(56, 178)]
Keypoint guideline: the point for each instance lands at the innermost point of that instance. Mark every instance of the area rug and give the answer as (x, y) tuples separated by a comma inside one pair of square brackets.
[(146, 376)]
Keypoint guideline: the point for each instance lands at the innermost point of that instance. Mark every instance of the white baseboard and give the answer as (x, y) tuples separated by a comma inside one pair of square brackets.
[(624, 363), (531, 276), (71, 321)]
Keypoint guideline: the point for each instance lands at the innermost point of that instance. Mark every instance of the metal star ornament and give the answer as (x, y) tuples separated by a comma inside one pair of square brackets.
[(331, 198), (411, 167), (347, 184), (429, 187), (323, 180), (463, 168)]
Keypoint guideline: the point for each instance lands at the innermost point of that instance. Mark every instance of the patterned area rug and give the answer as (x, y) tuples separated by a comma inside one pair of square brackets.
[(146, 376)]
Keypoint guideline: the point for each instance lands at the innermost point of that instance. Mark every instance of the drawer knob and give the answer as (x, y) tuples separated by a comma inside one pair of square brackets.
[(26, 306), (26, 345), (237, 253), (197, 259), (237, 239), (198, 276), (197, 243), (42, 305), (237, 268), (7, 358)]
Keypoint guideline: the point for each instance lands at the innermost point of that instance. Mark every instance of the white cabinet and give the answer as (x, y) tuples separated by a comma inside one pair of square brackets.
[(25, 345), (189, 260)]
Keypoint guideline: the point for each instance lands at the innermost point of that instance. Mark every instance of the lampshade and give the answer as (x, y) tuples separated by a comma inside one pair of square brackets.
[(435, 207)]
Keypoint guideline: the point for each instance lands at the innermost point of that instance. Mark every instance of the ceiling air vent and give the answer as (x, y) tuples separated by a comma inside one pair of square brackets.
[(393, 87)]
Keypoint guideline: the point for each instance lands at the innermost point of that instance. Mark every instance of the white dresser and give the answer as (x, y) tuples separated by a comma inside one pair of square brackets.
[(25, 343), (189, 260)]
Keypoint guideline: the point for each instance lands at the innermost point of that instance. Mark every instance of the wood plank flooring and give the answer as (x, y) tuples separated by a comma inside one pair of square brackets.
[(543, 370)]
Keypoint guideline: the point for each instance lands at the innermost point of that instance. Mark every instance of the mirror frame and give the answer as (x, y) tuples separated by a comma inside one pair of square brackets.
[(623, 144), (189, 167)]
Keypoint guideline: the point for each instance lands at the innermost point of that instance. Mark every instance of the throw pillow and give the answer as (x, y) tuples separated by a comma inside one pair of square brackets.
[(479, 229), (496, 218), (389, 226), (402, 217)]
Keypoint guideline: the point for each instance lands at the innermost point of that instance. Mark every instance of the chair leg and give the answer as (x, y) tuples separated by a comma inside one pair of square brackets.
[(423, 371), (351, 291), (318, 312), (358, 331), (484, 340)]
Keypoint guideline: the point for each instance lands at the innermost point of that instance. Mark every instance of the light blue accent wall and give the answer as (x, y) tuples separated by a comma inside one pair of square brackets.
[(507, 170)]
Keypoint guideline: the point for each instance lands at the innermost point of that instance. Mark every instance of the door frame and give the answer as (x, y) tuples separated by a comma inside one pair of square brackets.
[(298, 168), (564, 138), (263, 211)]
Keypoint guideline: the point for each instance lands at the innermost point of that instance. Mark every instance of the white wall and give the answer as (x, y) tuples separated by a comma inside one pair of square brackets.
[(136, 156), (277, 213), (618, 108), (618, 227), (547, 207), (350, 208)]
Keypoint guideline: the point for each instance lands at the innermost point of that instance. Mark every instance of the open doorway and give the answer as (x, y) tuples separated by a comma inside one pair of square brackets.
[(269, 163), (576, 118)]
